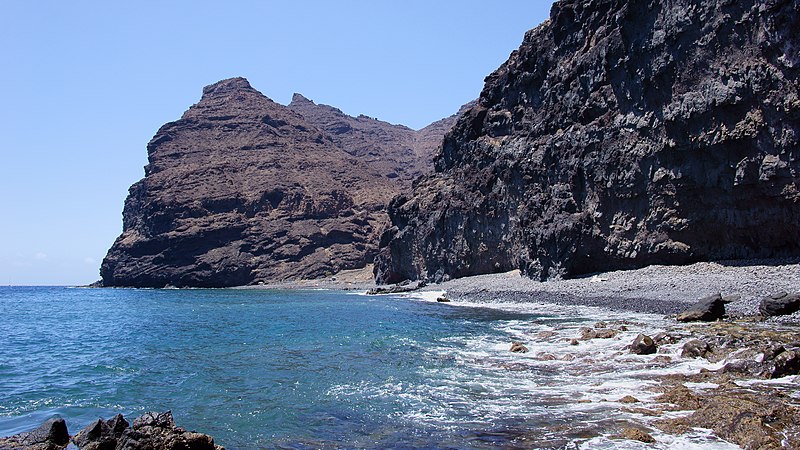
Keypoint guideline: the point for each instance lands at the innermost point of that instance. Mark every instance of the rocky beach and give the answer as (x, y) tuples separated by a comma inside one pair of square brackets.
[(746, 387)]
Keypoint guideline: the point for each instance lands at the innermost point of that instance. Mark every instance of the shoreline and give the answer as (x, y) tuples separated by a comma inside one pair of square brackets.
[(655, 289)]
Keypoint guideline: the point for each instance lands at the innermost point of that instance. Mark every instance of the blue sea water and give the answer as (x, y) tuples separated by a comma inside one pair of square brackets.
[(298, 369)]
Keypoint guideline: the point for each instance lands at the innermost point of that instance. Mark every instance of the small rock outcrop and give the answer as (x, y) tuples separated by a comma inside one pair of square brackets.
[(154, 431), (643, 345), (242, 190), (620, 134), (779, 304), (695, 349), (635, 434), (518, 347), (51, 435), (151, 431), (707, 309)]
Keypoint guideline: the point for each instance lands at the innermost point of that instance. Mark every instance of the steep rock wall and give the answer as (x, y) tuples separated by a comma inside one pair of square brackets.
[(619, 134)]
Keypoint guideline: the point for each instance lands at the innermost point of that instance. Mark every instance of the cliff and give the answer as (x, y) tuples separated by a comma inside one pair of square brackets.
[(620, 134), (395, 151), (241, 190)]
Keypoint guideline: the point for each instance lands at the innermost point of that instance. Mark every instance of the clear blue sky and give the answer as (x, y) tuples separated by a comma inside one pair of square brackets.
[(85, 85)]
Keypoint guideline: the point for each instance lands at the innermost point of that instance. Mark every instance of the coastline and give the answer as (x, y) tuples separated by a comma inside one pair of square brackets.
[(655, 289)]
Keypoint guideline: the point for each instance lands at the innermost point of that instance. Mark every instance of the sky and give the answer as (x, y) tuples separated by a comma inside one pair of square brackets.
[(86, 84)]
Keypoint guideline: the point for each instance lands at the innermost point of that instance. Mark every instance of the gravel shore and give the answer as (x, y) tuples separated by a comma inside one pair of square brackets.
[(653, 289)]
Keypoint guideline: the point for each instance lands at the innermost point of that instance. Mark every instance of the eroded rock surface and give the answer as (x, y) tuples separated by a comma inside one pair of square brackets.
[(243, 190), (619, 134)]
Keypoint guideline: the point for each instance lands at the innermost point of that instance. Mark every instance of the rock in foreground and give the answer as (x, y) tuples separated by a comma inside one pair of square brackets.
[(706, 309), (51, 435), (151, 431), (779, 304), (619, 135)]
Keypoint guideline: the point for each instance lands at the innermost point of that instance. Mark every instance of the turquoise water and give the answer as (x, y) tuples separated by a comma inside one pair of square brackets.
[(297, 369)]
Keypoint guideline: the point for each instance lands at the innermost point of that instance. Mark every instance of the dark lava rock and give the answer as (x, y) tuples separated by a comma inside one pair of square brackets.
[(242, 190), (779, 304), (643, 345), (158, 431), (706, 309), (396, 289), (620, 134), (695, 349), (784, 364), (518, 347), (51, 435)]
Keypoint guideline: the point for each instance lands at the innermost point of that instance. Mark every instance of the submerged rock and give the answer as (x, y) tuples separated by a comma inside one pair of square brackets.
[(779, 304)]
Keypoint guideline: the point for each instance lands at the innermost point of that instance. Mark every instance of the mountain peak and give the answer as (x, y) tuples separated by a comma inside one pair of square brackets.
[(298, 99), (226, 86)]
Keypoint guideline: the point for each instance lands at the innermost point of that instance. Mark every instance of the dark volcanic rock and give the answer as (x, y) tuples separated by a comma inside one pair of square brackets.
[(151, 431), (620, 134), (706, 309), (643, 345), (51, 435), (695, 349), (779, 304), (242, 190)]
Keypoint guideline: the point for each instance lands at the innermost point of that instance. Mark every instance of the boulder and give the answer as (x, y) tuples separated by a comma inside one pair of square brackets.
[(785, 364), (706, 309), (643, 345), (101, 434), (51, 435), (779, 304), (695, 349), (635, 434), (518, 347), (597, 333)]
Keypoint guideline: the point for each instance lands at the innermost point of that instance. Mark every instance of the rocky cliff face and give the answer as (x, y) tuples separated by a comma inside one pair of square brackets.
[(242, 190), (395, 151), (620, 134)]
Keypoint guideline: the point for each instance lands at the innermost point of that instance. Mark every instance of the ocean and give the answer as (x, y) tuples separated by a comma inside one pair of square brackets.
[(325, 369)]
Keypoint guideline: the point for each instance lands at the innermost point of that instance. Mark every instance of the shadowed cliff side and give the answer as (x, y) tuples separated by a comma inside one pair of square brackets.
[(619, 134)]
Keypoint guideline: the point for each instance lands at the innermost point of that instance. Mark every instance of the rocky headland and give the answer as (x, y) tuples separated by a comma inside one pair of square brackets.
[(242, 190), (619, 135)]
